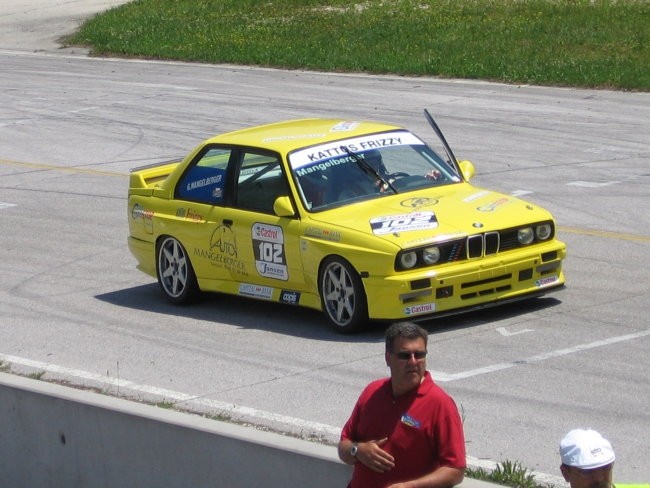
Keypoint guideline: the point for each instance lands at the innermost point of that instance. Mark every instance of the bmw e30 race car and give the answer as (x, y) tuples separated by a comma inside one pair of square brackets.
[(361, 220)]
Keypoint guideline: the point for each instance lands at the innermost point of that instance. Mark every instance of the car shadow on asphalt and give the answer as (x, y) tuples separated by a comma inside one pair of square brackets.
[(298, 321), (245, 313)]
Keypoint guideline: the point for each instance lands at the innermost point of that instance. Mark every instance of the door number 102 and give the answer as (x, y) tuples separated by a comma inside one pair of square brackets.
[(271, 252)]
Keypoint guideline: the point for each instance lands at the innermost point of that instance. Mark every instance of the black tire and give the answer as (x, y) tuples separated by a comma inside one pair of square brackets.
[(343, 298), (175, 274)]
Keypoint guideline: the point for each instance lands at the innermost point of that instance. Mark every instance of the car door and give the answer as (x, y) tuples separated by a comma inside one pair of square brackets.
[(267, 245), (201, 197)]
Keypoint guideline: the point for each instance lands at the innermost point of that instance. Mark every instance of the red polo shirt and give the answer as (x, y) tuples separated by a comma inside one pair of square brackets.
[(423, 428)]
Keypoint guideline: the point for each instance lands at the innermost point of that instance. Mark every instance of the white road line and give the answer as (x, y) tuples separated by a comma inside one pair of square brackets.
[(592, 184), (506, 333), (441, 376)]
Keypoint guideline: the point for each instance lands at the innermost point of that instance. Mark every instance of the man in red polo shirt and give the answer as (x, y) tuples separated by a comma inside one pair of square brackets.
[(404, 431)]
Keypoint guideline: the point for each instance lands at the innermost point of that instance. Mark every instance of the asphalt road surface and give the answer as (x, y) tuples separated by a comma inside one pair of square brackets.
[(73, 306)]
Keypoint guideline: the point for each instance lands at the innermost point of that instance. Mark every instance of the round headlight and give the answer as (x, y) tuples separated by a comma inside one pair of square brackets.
[(525, 235), (408, 260), (431, 255), (543, 231)]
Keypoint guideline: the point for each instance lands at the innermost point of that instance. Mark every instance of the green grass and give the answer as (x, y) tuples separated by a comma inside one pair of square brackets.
[(584, 43), (507, 473), (37, 375)]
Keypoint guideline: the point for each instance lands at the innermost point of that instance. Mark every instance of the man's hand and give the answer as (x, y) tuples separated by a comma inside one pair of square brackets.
[(371, 455)]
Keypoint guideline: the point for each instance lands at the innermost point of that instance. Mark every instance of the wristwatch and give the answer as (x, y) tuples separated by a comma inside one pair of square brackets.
[(353, 450)]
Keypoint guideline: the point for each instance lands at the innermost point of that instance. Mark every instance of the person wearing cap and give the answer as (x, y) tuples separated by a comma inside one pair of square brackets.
[(587, 459)]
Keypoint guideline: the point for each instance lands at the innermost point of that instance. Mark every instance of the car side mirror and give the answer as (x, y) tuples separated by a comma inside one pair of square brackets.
[(283, 207), (467, 169)]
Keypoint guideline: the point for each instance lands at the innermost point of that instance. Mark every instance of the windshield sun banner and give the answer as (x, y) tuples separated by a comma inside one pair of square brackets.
[(338, 152)]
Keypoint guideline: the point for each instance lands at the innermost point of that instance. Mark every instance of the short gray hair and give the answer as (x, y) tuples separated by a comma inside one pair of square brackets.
[(405, 330)]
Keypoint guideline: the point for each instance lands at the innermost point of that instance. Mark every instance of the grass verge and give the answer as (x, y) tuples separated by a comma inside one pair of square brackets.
[(507, 473), (583, 43)]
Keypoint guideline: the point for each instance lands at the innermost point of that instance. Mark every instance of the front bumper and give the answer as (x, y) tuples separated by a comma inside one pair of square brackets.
[(467, 285)]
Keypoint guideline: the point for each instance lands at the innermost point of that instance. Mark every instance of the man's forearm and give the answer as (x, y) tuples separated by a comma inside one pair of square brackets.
[(344, 452)]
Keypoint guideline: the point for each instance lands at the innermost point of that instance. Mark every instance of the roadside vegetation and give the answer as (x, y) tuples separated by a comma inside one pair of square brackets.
[(507, 473), (583, 43)]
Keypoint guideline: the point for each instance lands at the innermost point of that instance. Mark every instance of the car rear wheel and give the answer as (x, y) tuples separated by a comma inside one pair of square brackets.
[(175, 274), (343, 298)]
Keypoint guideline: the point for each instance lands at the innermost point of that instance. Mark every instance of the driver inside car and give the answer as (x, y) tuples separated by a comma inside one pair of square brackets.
[(374, 160)]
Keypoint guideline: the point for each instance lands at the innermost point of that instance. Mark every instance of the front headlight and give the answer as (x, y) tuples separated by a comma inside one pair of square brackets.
[(543, 231), (525, 236), (408, 260), (431, 255)]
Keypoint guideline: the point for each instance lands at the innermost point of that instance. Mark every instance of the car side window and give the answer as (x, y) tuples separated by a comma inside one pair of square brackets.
[(205, 180), (260, 182)]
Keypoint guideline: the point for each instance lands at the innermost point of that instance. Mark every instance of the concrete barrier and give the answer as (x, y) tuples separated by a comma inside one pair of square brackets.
[(55, 436)]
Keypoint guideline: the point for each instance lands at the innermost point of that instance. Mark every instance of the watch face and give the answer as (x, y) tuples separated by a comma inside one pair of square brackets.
[(353, 450)]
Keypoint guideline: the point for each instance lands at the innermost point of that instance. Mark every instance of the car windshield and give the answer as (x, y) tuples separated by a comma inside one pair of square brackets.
[(367, 167)]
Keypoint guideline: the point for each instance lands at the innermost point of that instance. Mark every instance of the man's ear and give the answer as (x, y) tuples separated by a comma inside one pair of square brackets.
[(565, 471), (387, 357)]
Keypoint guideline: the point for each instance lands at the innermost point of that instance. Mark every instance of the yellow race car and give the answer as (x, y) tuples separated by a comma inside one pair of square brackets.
[(362, 220)]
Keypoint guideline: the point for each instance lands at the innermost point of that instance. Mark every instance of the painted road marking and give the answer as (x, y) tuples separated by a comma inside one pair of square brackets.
[(603, 233), (6, 205), (448, 377), (506, 333), (67, 169), (592, 184)]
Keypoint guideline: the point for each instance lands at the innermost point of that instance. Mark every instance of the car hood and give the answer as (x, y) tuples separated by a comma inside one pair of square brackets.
[(433, 215)]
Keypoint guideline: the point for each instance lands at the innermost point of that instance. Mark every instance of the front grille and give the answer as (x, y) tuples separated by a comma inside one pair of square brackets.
[(486, 281), (509, 240), (485, 292), (492, 241), (420, 284), (549, 256), (480, 245), (477, 246)]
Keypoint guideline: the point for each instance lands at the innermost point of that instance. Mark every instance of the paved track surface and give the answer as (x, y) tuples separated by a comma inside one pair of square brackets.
[(37, 25), (73, 306)]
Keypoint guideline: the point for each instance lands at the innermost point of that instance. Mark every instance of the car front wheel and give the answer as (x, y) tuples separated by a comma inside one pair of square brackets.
[(343, 298), (175, 274)]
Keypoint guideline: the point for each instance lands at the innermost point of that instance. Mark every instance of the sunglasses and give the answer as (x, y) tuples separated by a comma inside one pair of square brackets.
[(406, 355)]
